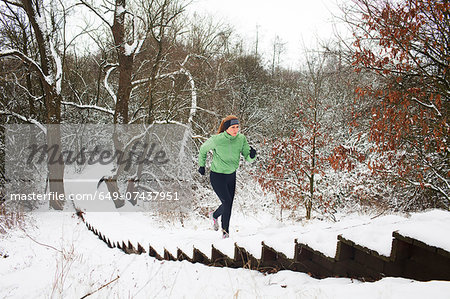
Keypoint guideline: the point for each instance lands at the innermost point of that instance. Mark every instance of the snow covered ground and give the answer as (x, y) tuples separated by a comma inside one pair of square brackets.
[(250, 231), (55, 256)]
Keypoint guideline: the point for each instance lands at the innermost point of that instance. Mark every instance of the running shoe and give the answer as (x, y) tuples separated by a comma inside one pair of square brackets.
[(225, 235), (214, 220)]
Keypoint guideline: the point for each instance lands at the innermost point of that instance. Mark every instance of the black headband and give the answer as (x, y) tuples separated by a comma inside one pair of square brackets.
[(229, 123)]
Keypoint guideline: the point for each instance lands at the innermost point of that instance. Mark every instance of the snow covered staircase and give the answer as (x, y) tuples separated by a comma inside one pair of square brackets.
[(409, 258)]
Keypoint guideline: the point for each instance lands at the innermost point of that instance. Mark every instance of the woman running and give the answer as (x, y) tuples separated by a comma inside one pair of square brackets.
[(227, 147)]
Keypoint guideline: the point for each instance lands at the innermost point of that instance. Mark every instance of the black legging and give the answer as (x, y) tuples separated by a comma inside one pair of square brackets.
[(224, 185)]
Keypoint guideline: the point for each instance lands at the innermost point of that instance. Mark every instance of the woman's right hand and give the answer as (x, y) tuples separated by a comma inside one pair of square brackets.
[(201, 170), (252, 152)]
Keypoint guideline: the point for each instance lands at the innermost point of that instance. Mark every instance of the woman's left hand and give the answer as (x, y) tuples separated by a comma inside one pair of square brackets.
[(252, 152), (201, 170)]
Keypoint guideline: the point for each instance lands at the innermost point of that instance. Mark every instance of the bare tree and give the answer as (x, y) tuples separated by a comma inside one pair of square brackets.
[(278, 49), (137, 28), (49, 69)]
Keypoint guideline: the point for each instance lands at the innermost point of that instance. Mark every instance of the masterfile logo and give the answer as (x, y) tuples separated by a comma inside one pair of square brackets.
[(149, 166)]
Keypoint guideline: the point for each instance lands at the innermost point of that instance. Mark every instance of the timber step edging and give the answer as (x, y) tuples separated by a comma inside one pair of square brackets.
[(409, 258)]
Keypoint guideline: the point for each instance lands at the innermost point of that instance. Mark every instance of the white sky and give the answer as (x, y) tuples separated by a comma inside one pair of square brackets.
[(297, 22)]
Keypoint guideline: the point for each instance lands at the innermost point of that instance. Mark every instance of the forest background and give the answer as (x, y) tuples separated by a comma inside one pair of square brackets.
[(361, 124)]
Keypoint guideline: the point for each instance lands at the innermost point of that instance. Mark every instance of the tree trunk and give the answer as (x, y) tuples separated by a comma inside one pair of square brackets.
[(313, 168), (125, 65), (52, 97), (55, 171), (125, 69)]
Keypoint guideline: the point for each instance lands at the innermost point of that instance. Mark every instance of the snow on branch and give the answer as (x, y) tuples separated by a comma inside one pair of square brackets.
[(120, 9), (207, 111), (193, 94), (181, 71), (25, 119), (110, 68), (134, 48), (430, 106), (93, 107), (171, 122), (15, 3), (184, 71), (162, 76), (59, 70), (29, 61), (37, 16), (430, 186), (171, 74), (26, 90)]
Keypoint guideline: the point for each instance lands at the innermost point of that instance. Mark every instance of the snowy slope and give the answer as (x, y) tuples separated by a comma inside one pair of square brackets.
[(375, 234), (58, 257)]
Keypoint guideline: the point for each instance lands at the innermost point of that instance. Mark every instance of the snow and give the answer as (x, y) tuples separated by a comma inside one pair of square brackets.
[(120, 10), (27, 119), (376, 234), (129, 49), (94, 107), (107, 86), (74, 262), (59, 70), (50, 78), (193, 109), (55, 255), (426, 226)]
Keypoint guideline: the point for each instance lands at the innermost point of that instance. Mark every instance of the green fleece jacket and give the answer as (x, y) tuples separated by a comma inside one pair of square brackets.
[(227, 150)]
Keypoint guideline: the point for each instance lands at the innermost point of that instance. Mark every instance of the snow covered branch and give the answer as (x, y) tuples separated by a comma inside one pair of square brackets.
[(110, 68), (15, 3), (25, 119), (26, 60), (430, 186), (429, 106), (182, 71), (93, 107), (193, 109), (134, 48), (59, 70), (26, 90)]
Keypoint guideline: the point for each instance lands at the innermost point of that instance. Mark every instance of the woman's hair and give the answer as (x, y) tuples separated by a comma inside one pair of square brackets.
[(222, 123)]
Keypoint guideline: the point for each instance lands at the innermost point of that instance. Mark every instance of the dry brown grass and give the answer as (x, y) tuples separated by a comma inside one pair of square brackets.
[(10, 216)]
